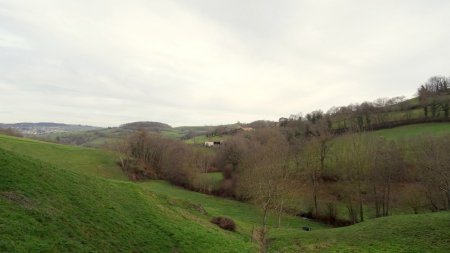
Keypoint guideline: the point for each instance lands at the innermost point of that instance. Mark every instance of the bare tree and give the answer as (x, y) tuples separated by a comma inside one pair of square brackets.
[(263, 179), (387, 166), (314, 156), (431, 95), (311, 168), (434, 160), (122, 147), (352, 158)]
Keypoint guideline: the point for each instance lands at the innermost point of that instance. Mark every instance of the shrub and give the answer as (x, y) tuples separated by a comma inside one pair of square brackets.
[(227, 188), (331, 212), (224, 223)]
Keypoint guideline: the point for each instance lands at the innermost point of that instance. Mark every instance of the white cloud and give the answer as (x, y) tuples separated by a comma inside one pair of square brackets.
[(209, 62), (9, 40)]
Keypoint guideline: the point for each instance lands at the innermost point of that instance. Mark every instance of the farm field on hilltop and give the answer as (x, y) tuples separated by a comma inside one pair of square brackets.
[(414, 130)]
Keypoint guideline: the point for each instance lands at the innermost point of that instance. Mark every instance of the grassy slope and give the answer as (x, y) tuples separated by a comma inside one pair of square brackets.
[(203, 138), (405, 233), (86, 160), (108, 136), (213, 178), (172, 134), (91, 138), (414, 130), (246, 215), (46, 209), (42, 207)]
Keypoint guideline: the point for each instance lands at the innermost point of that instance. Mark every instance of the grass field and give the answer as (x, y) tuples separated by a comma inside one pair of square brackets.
[(216, 178), (246, 215), (56, 198), (108, 136), (172, 134), (202, 139), (67, 185), (402, 233), (91, 138), (47, 209), (414, 130), (89, 161)]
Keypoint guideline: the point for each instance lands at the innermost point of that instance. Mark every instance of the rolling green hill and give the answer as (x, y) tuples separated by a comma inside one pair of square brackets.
[(46, 177), (108, 136), (89, 161), (47, 209), (247, 216), (401, 233), (53, 198)]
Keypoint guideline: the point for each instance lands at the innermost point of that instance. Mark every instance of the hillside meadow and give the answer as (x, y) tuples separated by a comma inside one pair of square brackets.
[(48, 209), (414, 131), (89, 161), (55, 198)]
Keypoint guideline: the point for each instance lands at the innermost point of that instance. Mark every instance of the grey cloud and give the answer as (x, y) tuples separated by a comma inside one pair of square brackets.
[(209, 62)]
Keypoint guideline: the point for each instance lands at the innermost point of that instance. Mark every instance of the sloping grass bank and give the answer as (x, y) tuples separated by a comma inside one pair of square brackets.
[(47, 209)]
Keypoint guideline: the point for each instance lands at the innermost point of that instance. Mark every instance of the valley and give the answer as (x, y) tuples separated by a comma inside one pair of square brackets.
[(59, 196)]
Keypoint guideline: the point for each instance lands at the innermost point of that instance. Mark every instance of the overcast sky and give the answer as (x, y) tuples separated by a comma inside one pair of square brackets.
[(205, 62)]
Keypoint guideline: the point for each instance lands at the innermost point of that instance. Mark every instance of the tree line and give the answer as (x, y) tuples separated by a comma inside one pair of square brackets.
[(433, 98), (305, 166), (145, 155), (338, 179)]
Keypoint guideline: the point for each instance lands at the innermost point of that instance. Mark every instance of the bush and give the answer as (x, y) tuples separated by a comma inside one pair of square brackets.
[(136, 170), (227, 188), (224, 223)]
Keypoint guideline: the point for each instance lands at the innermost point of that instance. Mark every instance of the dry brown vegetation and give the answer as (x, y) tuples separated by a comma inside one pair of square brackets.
[(306, 167), (225, 223), (150, 156)]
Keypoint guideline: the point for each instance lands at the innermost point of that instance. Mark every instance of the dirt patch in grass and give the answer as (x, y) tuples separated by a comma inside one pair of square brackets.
[(17, 198)]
